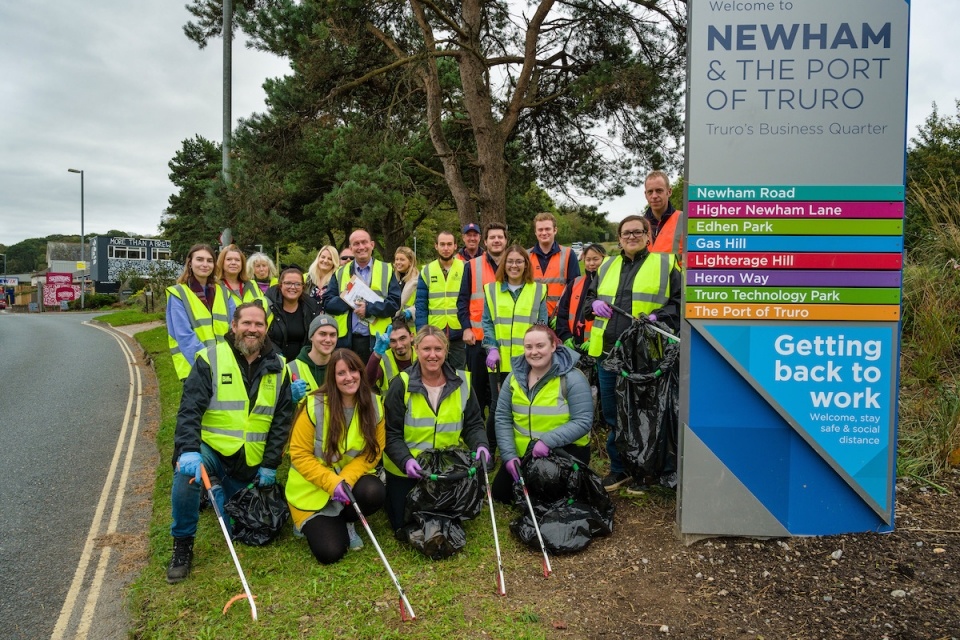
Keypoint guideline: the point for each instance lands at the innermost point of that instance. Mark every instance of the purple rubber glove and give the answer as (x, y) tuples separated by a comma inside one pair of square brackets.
[(652, 317), (513, 468), (340, 493), (493, 359), (483, 454), (601, 309), (540, 450), (414, 470)]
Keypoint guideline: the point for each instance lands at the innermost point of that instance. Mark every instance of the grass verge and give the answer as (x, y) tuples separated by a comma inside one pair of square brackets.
[(298, 598), (130, 316)]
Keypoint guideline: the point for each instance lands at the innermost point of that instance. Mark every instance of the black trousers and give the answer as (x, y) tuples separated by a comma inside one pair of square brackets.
[(476, 357), (327, 536), (495, 380), (397, 489), (361, 346), (502, 487)]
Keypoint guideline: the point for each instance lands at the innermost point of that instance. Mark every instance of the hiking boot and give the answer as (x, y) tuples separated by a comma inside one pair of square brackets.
[(615, 479), (355, 542), (179, 567)]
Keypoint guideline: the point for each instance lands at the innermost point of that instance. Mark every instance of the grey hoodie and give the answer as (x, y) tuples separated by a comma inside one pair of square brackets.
[(578, 397)]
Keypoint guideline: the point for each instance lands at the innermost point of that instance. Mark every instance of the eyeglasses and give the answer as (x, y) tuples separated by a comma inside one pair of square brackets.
[(633, 234), (516, 263), (295, 285)]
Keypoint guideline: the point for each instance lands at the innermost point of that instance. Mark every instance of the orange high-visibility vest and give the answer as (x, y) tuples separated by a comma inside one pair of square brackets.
[(576, 296), (668, 240), (555, 277), (481, 274)]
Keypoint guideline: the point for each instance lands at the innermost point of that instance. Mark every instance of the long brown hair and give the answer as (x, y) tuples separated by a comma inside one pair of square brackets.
[(365, 409), (527, 268), (218, 271), (187, 271)]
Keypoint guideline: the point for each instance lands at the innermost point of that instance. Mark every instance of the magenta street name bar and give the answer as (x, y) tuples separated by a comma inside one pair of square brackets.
[(778, 278), (820, 210)]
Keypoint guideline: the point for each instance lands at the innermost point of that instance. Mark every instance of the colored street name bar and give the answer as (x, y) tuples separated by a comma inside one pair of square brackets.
[(853, 193), (821, 244), (797, 227), (863, 312), (771, 278), (817, 210), (795, 295), (720, 260)]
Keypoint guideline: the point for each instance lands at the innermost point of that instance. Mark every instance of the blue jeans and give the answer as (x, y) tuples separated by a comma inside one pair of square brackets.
[(185, 496), (608, 407)]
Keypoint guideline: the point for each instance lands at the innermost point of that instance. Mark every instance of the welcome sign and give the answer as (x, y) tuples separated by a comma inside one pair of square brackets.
[(796, 136)]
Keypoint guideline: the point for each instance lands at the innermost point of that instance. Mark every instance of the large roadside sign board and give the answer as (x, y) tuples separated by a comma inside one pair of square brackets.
[(796, 135)]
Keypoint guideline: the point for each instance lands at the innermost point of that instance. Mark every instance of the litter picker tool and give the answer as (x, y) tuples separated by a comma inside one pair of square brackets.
[(501, 586), (404, 603), (666, 334), (547, 569), (226, 534)]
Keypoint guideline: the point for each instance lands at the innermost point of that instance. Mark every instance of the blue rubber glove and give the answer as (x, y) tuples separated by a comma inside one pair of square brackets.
[(482, 454), (299, 389), (513, 468), (340, 493), (601, 309), (383, 342), (408, 315), (493, 359), (189, 464), (266, 477), (540, 450), (413, 469)]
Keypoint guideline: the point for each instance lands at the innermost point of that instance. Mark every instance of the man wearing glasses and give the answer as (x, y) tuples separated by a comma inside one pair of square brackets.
[(639, 282)]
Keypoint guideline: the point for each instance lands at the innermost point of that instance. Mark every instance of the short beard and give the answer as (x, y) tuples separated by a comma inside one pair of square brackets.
[(246, 349)]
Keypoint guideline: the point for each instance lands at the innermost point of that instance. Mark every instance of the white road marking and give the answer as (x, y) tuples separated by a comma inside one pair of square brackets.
[(69, 604)]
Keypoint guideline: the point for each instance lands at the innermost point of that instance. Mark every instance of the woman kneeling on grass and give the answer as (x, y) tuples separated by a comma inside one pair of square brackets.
[(336, 442)]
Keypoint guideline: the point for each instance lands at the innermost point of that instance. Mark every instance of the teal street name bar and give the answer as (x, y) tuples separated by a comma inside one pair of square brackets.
[(863, 193)]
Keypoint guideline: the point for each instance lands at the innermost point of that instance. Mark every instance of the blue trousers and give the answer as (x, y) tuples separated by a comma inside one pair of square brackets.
[(608, 407), (185, 496)]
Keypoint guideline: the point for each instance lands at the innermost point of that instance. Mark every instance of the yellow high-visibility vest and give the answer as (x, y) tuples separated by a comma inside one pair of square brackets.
[(210, 327)]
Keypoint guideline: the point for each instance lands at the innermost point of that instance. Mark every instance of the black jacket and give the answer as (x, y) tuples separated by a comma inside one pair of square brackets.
[(474, 432), (668, 313), (563, 311), (197, 393), (278, 328)]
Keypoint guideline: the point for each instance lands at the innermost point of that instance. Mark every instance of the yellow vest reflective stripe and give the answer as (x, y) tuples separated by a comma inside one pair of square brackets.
[(511, 320), (533, 419), (443, 292), (650, 291), (250, 292), (388, 365), (302, 493), (303, 373), (380, 276), (422, 428), (210, 327), (229, 423)]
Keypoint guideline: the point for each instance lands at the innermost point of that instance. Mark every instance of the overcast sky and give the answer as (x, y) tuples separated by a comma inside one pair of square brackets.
[(113, 87)]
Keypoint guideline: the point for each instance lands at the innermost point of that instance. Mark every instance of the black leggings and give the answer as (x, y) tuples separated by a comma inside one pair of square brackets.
[(502, 489), (327, 536), (397, 489)]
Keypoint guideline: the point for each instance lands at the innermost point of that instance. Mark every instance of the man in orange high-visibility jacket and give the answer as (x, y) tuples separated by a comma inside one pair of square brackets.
[(553, 265), (663, 218), (477, 274)]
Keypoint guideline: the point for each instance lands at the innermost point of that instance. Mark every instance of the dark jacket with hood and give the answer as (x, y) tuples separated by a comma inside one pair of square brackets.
[(198, 391), (473, 432), (578, 397), (278, 328)]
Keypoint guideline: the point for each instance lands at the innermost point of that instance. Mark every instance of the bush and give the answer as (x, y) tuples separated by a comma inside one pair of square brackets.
[(95, 301)]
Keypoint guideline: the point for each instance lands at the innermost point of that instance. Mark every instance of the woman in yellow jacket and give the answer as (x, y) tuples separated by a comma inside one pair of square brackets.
[(337, 440)]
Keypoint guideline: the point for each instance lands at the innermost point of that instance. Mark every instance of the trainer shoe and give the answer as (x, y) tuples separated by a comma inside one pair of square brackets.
[(637, 489), (179, 567), (615, 479), (355, 542)]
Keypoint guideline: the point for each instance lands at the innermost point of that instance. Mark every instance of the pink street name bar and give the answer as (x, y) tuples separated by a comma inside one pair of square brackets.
[(820, 210)]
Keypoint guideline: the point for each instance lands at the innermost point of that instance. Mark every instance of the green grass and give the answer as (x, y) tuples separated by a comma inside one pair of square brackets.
[(130, 316), (297, 597)]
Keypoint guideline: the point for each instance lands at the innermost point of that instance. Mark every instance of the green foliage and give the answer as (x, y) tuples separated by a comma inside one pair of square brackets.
[(193, 214), (130, 316), (933, 166), (294, 254), (95, 301)]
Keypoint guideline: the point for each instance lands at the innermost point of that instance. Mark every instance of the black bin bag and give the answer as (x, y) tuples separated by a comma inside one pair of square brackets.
[(568, 497), (436, 509), (258, 514), (648, 391)]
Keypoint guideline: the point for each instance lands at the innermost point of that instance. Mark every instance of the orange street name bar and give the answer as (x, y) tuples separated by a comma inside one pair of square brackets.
[(868, 312)]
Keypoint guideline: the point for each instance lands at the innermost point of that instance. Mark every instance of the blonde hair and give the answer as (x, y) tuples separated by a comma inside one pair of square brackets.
[(256, 259), (430, 330), (314, 276), (412, 272), (222, 258), (546, 216), (657, 174)]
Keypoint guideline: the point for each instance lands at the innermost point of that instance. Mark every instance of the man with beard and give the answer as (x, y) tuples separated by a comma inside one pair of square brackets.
[(392, 354), (437, 292), (234, 419)]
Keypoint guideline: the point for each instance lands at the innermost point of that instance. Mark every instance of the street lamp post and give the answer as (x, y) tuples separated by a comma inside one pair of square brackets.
[(83, 241)]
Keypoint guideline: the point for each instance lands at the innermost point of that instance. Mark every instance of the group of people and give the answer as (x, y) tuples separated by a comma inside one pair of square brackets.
[(274, 359)]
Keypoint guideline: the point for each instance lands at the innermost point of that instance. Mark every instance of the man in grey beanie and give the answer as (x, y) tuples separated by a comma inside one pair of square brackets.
[(308, 371)]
